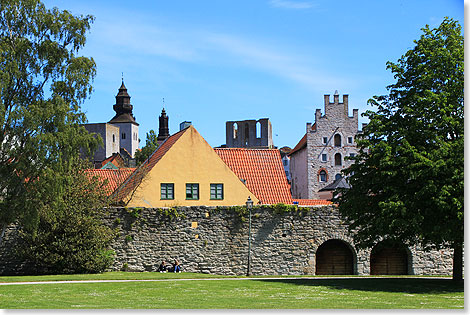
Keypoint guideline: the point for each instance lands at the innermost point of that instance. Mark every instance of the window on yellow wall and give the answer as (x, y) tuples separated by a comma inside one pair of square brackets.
[(167, 191), (217, 191), (192, 191)]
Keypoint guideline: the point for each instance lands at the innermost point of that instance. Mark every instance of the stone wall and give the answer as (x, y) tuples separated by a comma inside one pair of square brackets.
[(335, 121), (215, 240)]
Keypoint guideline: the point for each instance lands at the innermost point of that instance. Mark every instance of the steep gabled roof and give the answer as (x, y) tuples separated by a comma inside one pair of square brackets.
[(115, 159), (337, 183), (302, 143), (114, 177), (137, 176), (262, 172)]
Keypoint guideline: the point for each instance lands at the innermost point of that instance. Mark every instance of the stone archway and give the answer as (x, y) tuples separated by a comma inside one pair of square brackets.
[(334, 257), (389, 259)]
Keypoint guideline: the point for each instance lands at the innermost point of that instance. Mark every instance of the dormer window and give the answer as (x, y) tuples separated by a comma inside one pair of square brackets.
[(123, 136)]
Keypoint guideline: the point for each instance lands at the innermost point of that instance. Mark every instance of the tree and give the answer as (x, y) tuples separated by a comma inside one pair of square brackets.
[(42, 85), (150, 146), (408, 178), (70, 236)]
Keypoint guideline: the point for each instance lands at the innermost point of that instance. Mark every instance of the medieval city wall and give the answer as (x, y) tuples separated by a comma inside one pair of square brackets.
[(215, 240)]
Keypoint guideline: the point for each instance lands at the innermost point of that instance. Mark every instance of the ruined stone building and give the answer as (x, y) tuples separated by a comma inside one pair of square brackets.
[(318, 158), (249, 134)]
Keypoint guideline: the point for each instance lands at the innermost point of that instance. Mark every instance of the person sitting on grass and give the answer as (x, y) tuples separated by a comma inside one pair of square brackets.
[(162, 267)]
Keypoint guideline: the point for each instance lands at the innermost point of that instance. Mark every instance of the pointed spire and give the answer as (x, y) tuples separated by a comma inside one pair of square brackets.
[(163, 130), (123, 106)]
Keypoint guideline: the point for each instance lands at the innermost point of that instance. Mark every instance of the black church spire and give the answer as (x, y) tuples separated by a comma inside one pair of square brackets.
[(123, 107), (163, 130)]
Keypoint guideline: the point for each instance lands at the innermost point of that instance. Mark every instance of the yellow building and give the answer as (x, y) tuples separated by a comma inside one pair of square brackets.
[(183, 171)]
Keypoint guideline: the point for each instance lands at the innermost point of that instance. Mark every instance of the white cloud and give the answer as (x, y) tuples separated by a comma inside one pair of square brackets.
[(286, 4), (271, 60), (138, 40)]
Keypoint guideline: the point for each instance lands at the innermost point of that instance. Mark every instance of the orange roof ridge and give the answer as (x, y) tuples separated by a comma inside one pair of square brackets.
[(137, 176), (313, 202)]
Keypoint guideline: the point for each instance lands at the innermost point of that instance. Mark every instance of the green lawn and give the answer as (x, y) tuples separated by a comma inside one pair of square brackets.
[(359, 292)]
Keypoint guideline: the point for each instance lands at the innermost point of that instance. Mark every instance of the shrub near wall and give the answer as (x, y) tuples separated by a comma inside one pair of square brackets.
[(215, 240)]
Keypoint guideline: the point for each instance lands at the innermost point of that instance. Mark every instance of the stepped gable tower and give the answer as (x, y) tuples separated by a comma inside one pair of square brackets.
[(125, 120), (163, 130)]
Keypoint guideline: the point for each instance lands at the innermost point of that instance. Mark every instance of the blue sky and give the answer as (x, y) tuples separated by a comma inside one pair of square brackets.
[(215, 61)]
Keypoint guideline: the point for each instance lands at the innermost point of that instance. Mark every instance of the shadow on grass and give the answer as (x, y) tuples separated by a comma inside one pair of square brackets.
[(430, 286)]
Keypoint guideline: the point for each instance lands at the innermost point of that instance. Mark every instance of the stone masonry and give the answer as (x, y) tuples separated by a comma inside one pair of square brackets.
[(215, 240), (244, 134), (329, 143)]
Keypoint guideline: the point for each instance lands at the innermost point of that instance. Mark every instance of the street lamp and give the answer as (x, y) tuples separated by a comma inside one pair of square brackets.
[(249, 206)]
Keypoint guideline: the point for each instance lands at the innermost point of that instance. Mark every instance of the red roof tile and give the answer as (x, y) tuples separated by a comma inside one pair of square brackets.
[(136, 177), (115, 159), (313, 202), (262, 170), (302, 143), (114, 177)]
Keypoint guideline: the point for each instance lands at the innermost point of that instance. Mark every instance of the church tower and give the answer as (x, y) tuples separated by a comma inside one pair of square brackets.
[(163, 130), (125, 120)]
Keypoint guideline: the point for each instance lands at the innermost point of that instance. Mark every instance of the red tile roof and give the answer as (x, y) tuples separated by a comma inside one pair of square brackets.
[(262, 170), (312, 202), (114, 177), (115, 159), (302, 143), (136, 177)]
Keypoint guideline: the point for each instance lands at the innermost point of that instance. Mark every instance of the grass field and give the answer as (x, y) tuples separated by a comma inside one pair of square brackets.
[(229, 293)]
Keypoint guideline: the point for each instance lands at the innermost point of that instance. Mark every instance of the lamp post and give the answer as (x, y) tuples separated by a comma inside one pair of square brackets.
[(249, 206)]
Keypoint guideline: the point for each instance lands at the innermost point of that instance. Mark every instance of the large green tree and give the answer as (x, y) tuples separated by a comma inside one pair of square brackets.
[(408, 178), (43, 184), (43, 82), (70, 236)]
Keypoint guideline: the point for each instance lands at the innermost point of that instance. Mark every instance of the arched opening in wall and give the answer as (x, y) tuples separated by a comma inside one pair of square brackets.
[(337, 176), (258, 130), (389, 258), (247, 134), (337, 140), (323, 176), (334, 257), (235, 131), (338, 159)]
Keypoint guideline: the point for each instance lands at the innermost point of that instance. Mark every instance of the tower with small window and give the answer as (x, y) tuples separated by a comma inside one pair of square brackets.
[(125, 120), (318, 159)]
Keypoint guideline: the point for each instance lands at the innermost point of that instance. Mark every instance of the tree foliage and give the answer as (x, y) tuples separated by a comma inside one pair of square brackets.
[(408, 179), (42, 85), (70, 236), (150, 146), (43, 185)]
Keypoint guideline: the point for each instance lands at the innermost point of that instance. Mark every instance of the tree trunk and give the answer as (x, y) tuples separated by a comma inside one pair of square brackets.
[(458, 262), (4, 227)]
